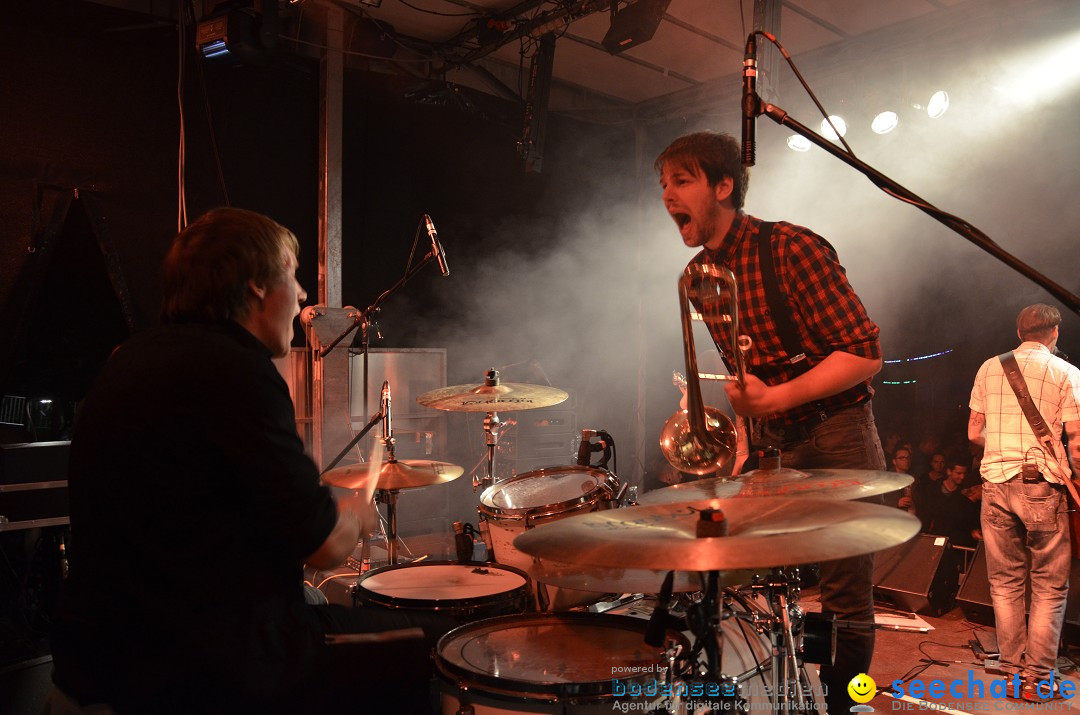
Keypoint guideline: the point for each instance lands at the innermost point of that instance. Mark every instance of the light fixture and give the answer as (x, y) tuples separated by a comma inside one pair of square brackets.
[(634, 24), (797, 142), (938, 104), (240, 31), (827, 129), (885, 122)]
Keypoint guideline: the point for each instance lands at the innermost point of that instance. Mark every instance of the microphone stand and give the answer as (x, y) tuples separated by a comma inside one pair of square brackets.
[(895, 190), (364, 318)]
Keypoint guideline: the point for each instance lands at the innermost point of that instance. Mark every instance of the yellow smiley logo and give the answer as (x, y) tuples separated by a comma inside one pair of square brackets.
[(862, 688)]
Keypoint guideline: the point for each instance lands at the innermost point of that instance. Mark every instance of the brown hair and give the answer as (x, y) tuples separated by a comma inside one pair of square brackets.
[(1037, 322), (207, 270), (713, 154)]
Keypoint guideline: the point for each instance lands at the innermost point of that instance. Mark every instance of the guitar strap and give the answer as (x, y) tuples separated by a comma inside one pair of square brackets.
[(1031, 412)]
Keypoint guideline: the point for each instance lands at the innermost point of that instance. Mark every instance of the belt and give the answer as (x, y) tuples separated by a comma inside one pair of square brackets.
[(787, 432)]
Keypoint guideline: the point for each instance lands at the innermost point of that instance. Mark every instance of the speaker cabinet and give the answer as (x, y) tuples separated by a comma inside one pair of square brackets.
[(919, 576), (974, 596)]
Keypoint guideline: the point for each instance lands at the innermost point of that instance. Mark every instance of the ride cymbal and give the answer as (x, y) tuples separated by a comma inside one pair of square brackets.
[(397, 474), (503, 397), (600, 579), (843, 484), (761, 533)]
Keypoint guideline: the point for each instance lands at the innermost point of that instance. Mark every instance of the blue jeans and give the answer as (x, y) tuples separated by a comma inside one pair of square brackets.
[(1022, 520), (848, 439)]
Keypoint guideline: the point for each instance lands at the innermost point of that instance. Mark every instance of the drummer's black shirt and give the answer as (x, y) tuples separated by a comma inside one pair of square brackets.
[(193, 506)]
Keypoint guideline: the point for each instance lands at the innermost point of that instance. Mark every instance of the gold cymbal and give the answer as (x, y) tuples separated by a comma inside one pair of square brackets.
[(601, 579), (844, 484), (504, 397), (761, 533), (398, 474)]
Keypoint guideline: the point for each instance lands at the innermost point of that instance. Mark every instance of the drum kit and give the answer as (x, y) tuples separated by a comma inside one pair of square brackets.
[(724, 551)]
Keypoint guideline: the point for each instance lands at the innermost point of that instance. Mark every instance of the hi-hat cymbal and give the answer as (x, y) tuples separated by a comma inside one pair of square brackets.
[(503, 397), (844, 484), (397, 474), (601, 579), (761, 533)]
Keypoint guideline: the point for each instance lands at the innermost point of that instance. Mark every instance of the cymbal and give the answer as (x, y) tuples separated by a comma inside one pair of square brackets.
[(398, 474), (506, 396), (600, 579), (762, 533), (844, 484)]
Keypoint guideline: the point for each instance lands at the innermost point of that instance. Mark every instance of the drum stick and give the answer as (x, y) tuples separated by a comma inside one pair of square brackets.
[(400, 634)]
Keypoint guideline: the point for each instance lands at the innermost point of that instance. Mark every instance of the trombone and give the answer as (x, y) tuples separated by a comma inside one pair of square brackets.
[(701, 440)]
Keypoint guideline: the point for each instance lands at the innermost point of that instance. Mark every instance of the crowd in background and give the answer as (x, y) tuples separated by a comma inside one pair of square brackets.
[(947, 492)]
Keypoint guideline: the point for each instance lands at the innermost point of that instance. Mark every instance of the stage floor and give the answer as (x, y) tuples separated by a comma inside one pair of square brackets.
[(946, 653)]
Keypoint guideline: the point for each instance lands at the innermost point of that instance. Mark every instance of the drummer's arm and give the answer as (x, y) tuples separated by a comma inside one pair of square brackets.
[(352, 516)]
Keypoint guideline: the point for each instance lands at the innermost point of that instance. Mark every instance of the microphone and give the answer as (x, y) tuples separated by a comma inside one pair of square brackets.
[(384, 407), (585, 448), (749, 101), (658, 621), (436, 246)]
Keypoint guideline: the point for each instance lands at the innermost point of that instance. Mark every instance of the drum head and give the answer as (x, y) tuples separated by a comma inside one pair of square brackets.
[(551, 490), (565, 654), (428, 583)]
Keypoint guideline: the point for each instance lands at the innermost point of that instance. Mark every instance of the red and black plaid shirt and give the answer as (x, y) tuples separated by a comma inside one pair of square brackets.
[(827, 314)]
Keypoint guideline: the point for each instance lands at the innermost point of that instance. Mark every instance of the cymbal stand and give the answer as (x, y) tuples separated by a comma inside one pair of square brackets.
[(491, 434), (389, 496), (790, 691)]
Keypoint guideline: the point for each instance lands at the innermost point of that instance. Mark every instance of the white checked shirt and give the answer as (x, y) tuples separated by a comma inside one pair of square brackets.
[(1055, 389)]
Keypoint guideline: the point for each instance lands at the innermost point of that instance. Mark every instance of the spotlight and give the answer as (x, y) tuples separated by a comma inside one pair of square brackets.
[(240, 30), (827, 129), (938, 104), (885, 122), (797, 142)]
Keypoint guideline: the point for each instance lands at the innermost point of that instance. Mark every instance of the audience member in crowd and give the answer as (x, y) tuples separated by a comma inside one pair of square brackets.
[(940, 503)]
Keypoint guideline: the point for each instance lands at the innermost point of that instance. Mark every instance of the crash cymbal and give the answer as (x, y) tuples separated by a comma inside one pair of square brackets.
[(397, 474), (601, 579), (503, 397), (844, 484), (761, 533)]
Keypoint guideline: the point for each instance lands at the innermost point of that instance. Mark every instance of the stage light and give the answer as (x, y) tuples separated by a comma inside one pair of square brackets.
[(827, 129), (938, 104), (634, 24), (239, 31), (885, 122), (797, 142)]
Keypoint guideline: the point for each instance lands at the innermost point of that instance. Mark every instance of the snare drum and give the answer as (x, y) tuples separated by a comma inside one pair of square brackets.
[(466, 591), (510, 507), (547, 663)]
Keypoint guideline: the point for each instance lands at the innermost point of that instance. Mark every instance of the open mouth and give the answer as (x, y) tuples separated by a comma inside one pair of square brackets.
[(681, 219)]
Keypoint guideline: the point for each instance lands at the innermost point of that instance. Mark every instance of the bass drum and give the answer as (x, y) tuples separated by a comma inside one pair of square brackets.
[(511, 507), (466, 591), (569, 663)]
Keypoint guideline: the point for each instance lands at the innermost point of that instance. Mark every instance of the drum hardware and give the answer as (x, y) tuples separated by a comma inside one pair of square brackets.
[(392, 476), (522, 502), (605, 444), (767, 532), (490, 397), (701, 440), (565, 664)]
